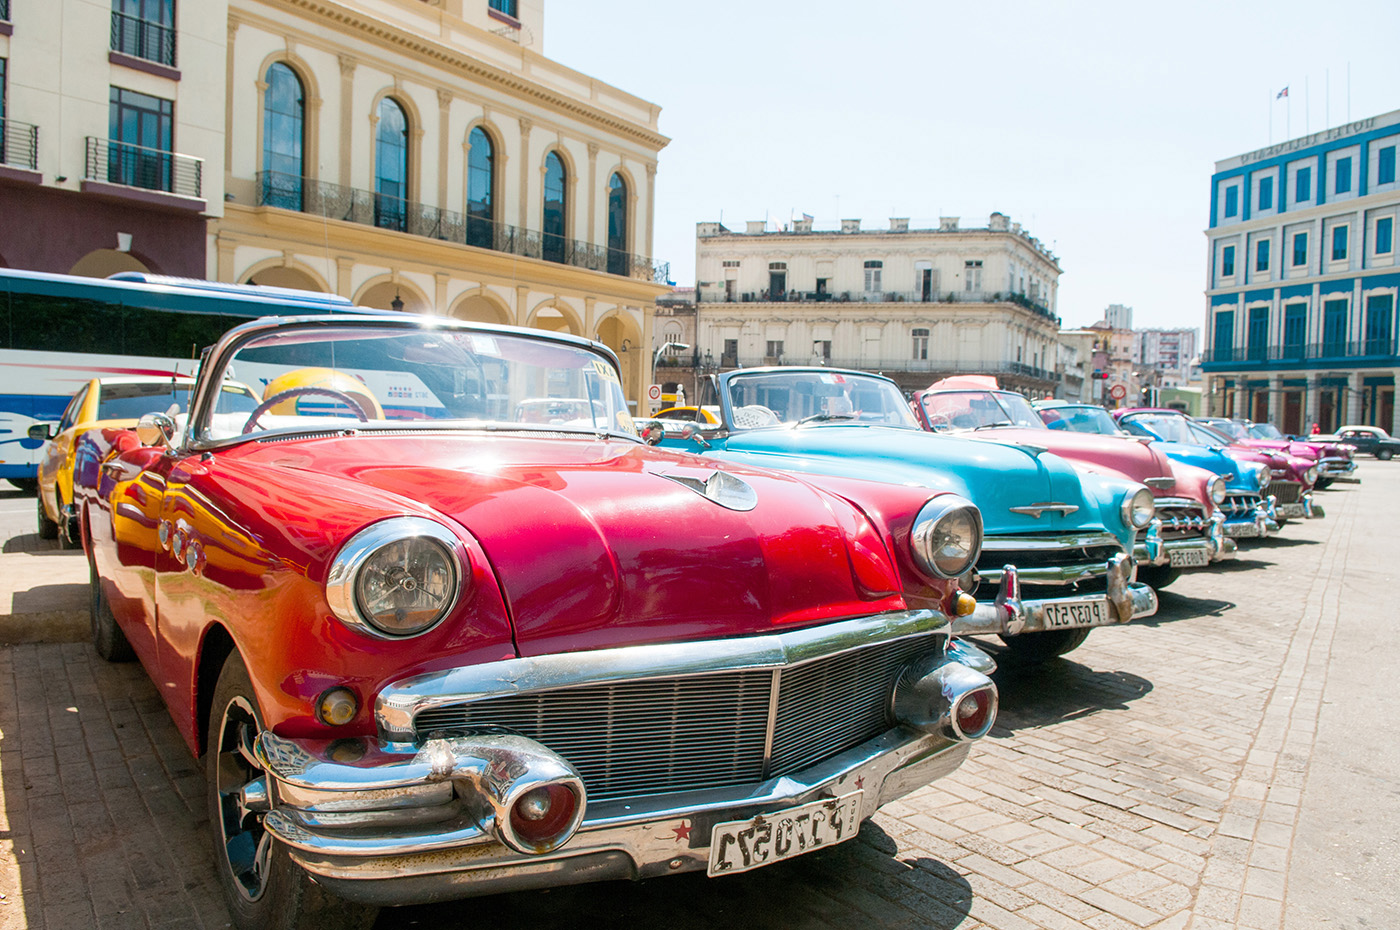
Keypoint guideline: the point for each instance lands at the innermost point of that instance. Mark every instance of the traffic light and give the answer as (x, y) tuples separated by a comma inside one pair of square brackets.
[(1100, 375)]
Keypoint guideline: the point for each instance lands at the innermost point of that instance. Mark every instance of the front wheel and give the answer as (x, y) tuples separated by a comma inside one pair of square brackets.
[(1157, 576), (1030, 648), (48, 529), (1323, 484), (262, 886)]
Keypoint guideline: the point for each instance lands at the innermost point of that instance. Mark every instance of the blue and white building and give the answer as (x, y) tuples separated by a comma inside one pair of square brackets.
[(1303, 277)]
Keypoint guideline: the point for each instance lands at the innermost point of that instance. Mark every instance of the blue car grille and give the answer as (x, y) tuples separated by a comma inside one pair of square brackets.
[(1182, 518), (1240, 506), (634, 738)]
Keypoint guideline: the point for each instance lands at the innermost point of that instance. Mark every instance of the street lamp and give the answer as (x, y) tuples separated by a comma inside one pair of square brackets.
[(656, 359)]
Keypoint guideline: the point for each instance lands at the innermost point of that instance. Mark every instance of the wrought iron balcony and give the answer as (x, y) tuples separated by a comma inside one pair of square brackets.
[(337, 202), (142, 38), (1335, 350), (978, 297), (19, 142), (891, 366), (138, 166)]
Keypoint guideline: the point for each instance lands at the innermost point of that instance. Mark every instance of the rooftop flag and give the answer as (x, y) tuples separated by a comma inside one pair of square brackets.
[(1281, 94)]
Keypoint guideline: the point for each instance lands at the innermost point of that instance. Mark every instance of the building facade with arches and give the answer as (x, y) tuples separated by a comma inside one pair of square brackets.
[(413, 154), (428, 157)]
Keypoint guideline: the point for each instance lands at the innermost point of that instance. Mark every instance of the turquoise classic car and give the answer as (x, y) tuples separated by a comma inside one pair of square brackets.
[(1057, 546)]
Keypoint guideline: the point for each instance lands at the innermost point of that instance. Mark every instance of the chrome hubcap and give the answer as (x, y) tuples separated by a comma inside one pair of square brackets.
[(242, 789)]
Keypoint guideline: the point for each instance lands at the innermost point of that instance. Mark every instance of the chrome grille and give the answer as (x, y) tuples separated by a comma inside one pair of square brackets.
[(1286, 492), (1241, 505), (704, 731), (1031, 552), (1182, 518)]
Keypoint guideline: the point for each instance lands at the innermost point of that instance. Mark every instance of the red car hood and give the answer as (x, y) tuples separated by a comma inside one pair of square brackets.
[(596, 544)]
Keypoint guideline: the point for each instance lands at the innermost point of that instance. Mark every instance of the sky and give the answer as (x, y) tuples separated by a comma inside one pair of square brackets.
[(1095, 125)]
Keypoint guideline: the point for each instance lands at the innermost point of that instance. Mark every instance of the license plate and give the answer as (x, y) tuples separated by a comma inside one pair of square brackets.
[(1090, 611), (740, 845), (1186, 558), (1289, 510)]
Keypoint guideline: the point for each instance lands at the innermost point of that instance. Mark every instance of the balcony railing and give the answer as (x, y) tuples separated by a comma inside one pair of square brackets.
[(141, 38), (138, 166), (19, 142), (887, 365), (1303, 352), (337, 202), (978, 297)]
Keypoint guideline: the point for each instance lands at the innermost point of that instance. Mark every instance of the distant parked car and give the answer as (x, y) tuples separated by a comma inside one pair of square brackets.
[(1333, 459), (1372, 440)]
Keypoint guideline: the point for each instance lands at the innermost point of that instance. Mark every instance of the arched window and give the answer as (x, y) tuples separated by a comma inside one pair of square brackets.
[(555, 185), (391, 166), (481, 182), (619, 262), (284, 133)]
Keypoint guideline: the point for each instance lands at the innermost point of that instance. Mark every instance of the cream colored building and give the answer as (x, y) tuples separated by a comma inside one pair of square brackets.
[(421, 154), (429, 153), (915, 304)]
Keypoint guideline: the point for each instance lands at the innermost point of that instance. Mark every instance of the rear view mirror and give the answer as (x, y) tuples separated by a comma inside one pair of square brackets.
[(41, 431), (155, 429)]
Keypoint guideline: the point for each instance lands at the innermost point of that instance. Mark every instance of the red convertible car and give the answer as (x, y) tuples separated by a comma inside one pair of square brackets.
[(433, 645)]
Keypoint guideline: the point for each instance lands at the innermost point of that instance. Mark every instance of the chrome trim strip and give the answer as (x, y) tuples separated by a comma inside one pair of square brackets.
[(1048, 543), (1038, 510), (399, 702)]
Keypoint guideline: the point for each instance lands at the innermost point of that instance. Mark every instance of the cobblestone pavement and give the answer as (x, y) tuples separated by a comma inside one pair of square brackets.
[(1154, 778)]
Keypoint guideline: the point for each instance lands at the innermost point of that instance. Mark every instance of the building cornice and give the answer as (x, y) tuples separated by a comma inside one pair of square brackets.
[(422, 48)]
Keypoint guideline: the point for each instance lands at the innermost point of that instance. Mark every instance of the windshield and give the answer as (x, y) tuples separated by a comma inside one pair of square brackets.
[(777, 398), (1227, 427), (1161, 426), (312, 376), (957, 410), (132, 401), (1265, 431), (1080, 420), (1207, 435)]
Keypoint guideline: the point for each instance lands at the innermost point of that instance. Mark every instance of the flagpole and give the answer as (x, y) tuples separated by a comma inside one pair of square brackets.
[(1307, 108), (1271, 116)]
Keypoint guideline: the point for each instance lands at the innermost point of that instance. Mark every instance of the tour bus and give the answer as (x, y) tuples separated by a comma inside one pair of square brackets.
[(57, 332)]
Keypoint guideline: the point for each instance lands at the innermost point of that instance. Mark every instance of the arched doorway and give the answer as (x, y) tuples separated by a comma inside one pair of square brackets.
[(103, 263), (481, 309), (555, 320), (286, 276), (617, 333), (382, 296)]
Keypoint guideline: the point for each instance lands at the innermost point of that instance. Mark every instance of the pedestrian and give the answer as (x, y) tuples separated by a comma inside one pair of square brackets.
[(1314, 431)]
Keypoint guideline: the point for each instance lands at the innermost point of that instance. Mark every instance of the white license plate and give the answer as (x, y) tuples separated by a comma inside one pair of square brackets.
[(1289, 510), (1186, 558), (740, 845), (1089, 611)]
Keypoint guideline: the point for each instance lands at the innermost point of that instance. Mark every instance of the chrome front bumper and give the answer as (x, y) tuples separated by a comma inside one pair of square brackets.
[(1009, 615), (391, 821), (1215, 545), (1303, 509), (1260, 524)]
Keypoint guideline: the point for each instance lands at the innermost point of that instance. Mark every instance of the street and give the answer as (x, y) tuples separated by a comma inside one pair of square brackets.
[(1233, 761)]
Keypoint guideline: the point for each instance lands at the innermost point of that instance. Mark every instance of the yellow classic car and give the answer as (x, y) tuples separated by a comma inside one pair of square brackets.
[(105, 403)]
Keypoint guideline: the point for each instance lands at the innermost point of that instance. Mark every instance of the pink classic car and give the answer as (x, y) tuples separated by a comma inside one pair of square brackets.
[(1333, 458), (1187, 531)]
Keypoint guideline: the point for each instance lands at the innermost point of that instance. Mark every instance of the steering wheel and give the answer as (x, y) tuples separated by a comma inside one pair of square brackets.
[(939, 421), (280, 396)]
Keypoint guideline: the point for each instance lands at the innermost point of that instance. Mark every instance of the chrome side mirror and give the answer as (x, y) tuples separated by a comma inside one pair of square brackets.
[(155, 429), (653, 434), (692, 432)]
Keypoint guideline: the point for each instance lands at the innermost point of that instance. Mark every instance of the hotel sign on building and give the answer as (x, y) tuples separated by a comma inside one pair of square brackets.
[(1303, 278)]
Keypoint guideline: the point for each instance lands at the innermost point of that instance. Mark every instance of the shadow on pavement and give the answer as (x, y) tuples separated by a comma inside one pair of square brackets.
[(1037, 695), (30, 542), (1173, 606), (1284, 542), (815, 890)]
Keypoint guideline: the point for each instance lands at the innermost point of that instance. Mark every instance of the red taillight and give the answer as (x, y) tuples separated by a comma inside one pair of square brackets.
[(543, 815), (974, 713)]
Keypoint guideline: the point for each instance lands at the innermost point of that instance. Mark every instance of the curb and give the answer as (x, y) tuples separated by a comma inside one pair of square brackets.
[(49, 626)]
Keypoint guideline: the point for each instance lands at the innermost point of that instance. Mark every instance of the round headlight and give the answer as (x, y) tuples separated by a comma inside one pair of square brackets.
[(1217, 489), (396, 578), (1138, 508), (946, 537), (1260, 475), (1310, 476)]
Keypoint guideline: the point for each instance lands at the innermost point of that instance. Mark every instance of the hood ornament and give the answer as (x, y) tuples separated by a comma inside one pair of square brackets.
[(722, 488), (1035, 510), (1163, 482)]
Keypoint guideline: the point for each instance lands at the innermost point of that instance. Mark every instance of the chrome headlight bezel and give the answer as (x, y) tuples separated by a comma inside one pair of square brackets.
[(1138, 508), (1310, 476), (930, 532), (1218, 489), (1262, 475), (343, 594)]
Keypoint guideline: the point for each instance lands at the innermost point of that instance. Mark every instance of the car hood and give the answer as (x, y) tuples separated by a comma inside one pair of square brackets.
[(995, 475), (1129, 458), (599, 543), (1211, 458)]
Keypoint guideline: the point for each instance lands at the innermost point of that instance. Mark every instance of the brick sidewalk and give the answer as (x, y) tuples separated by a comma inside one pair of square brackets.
[(1153, 779)]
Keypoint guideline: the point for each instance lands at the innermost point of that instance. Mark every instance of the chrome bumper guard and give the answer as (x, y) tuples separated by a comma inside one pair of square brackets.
[(1152, 549), (1262, 524), (394, 822), (1008, 614), (1305, 508)]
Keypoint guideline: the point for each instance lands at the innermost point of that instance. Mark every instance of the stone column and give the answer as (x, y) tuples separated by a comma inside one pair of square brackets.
[(1275, 399), (592, 190), (444, 98), (1310, 404), (1394, 425), (347, 117), (1354, 411), (524, 211)]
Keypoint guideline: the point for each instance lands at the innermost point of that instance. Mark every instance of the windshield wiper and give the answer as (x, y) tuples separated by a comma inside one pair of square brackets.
[(993, 425), (823, 417)]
